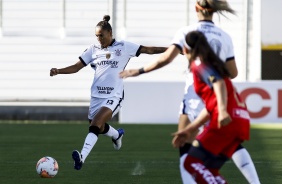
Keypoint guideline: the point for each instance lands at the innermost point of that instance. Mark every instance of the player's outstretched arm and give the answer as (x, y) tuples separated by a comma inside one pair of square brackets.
[(67, 70), (152, 50), (232, 68), (161, 61)]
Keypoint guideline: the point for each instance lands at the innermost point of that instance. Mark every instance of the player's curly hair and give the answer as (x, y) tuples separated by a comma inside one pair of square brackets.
[(104, 24), (208, 7), (199, 47)]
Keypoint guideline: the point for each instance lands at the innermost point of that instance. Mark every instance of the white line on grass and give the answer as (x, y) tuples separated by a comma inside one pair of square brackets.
[(138, 170)]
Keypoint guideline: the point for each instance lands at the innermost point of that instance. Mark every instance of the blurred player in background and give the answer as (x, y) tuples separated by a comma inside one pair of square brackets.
[(107, 59), (229, 123), (192, 105)]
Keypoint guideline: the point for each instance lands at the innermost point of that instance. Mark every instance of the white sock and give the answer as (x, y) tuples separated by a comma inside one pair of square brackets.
[(243, 161), (113, 133), (185, 175), (89, 143)]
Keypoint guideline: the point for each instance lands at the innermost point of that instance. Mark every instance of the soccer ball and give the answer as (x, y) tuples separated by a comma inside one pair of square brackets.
[(47, 167)]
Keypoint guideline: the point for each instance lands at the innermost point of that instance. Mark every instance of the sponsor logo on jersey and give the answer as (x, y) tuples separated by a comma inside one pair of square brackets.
[(105, 90), (207, 26), (207, 29), (114, 64), (241, 113)]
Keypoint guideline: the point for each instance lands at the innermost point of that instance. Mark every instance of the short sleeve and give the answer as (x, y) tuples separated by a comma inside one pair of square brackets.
[(178, 39), (86, 56), (230, 49), (132, 49)]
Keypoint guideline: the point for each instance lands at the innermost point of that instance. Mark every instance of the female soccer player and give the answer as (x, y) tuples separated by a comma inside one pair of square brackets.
[(107, 59), (192, 105), (229, 122)]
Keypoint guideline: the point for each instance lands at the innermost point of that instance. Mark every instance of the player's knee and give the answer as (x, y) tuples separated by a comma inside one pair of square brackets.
[(105, 129), (94, 129)]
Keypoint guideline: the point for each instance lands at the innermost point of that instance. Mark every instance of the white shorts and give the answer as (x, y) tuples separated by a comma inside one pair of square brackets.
[(191, 104), (113, 103)]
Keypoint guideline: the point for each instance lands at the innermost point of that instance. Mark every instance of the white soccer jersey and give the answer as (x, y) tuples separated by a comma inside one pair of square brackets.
[(222, 45), (107, 64), (219, 40)]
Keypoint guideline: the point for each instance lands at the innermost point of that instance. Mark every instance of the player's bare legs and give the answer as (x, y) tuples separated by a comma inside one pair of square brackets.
[(97, 126), (98, 122)]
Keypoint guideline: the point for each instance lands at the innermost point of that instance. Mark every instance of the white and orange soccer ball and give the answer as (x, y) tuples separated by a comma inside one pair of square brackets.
[(47, 167)]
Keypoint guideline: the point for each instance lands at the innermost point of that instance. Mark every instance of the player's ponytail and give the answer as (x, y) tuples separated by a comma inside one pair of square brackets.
[(208, 7), (104, 24), (106, 18), (199, 47)]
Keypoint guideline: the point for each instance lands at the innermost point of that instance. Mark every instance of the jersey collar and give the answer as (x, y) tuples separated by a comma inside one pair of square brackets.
[(113, 41), (209, 21)]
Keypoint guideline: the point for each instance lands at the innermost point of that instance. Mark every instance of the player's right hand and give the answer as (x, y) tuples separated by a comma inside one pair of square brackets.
[(54, 71), (179, 138), (223, 119)]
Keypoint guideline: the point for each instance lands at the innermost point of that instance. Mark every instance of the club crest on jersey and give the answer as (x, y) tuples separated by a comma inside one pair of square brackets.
[(118, 52), (108, 55), (212, 79)]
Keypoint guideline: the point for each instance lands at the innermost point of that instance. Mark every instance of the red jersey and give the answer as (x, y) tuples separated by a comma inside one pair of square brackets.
[(204, 76)]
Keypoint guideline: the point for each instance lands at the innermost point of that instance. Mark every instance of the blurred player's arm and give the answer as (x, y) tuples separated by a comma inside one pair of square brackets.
[(232, 68), (220, 91), (67, 70), (200, 120), (164, 59), (152, 50), (181, 136)]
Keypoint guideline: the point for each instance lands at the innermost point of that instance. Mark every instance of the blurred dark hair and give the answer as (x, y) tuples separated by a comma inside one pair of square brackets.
[(199, 47), (104, 24), (208, 7)]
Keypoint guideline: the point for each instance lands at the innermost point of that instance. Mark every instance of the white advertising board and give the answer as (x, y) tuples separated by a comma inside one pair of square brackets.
[(159, 102)]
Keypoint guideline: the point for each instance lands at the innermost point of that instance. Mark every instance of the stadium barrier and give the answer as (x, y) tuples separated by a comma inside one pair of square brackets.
[(159, 102)]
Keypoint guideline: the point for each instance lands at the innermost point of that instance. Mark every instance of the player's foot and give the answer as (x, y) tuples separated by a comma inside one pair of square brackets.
[(117, 142), (76, 156)]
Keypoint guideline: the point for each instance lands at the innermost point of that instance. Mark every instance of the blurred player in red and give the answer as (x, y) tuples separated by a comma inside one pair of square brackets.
[(191, 104), (229, 122)]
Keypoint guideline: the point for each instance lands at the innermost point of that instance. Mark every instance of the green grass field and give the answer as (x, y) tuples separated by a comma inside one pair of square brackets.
[(146, 156)]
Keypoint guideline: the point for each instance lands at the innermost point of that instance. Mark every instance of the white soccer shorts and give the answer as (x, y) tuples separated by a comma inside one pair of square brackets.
[(113, 103)]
